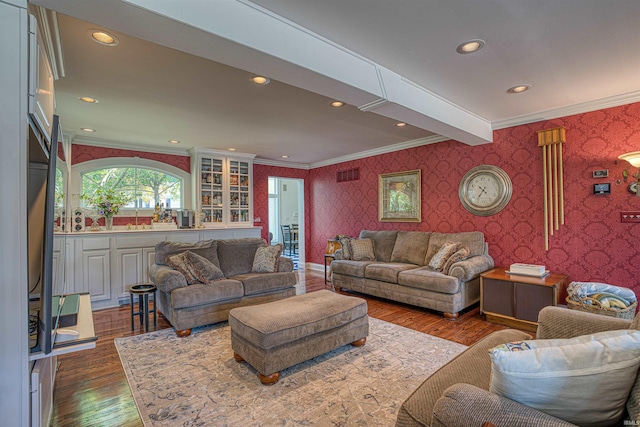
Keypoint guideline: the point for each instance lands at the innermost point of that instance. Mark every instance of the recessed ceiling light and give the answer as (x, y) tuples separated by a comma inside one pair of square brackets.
[(88, 99), (259, 80), (232, 149), (88, 129), (470, 46), (285, 156), (401, 124), (174, 141), (104, 38), (337, 104), (519, 89)]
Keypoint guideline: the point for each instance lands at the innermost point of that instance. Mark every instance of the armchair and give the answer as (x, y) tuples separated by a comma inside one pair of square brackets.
[(458, 393)]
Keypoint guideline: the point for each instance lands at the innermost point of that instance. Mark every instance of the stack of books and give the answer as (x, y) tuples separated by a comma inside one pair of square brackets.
[(528, 270)]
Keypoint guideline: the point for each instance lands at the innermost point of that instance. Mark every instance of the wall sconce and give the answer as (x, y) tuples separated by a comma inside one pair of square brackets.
[(634, 160)]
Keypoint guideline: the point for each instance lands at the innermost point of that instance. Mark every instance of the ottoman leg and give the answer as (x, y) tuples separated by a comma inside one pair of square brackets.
[(269, 379), (238, 358), (360, 342), (183, 333)]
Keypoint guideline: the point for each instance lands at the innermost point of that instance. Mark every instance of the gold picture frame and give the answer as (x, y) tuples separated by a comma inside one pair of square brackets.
[(399, 196)]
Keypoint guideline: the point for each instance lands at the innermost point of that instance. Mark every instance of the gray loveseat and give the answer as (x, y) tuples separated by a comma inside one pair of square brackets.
[(188, 306), (401, 272)]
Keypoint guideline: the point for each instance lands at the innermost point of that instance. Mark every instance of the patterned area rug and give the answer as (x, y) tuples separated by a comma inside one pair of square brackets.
[(195, 381)]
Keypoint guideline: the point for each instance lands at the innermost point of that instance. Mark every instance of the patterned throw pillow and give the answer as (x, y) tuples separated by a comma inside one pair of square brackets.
[(345, 242), (459, 255), (362, 250), (440, 258), (183, 265), (266, 259), (203, 269)]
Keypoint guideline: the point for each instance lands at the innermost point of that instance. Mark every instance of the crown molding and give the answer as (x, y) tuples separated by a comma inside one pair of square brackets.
[(585, 107), (381, 150), (278, 163), (97, 142)]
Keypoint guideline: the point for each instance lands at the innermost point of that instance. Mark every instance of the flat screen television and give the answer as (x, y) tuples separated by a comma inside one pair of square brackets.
[(40, 227)]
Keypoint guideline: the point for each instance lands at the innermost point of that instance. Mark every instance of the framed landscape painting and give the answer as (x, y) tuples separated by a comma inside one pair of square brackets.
[(399, 196)]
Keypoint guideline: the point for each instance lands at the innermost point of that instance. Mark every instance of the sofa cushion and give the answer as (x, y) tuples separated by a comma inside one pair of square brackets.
[(181, 263), (410, 247), (474, 240), (201, 294), (383, 242), (387, 272), (258, 283), (430, 280), (236, 255), (349, 267), (345, 246), (202, 268), (439, 259), (205, 248), (584, 380), (460, 255), (266, 259), (362, 250)]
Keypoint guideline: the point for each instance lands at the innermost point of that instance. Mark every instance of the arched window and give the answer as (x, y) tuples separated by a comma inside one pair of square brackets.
[(144, 187), (144, 182)]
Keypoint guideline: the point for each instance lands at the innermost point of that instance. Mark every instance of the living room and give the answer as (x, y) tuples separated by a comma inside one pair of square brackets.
[(593, 243)]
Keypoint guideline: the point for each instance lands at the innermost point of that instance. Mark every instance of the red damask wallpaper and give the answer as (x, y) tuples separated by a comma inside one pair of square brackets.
[(84, 153), (593, 245)]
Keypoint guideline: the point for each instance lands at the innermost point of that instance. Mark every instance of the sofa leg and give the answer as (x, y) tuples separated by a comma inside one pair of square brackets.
[(183, 333), (451, 316), (238, 358), (360, 342), (269, 379)]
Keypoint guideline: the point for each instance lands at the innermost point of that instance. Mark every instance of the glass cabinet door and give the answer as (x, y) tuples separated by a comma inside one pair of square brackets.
[(239, 195), (211, 189)]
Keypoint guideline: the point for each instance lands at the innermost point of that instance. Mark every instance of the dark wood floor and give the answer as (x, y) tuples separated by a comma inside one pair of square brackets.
[(91, 388)]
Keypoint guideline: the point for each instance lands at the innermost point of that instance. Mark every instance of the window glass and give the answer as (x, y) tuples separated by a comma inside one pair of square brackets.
[(59, 188), (145, 187)]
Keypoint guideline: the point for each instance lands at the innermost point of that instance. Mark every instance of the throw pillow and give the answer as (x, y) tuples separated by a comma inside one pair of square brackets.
[(203, 269), (459, 255), (442, 255), (584, 380), (183, 265), (362, 250), (266, 259), (345, 242)]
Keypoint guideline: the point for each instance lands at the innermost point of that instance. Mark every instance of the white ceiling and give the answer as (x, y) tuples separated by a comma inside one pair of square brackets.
[(390, 61)]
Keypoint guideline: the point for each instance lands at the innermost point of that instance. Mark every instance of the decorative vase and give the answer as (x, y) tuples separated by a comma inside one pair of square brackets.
[(108, 223)]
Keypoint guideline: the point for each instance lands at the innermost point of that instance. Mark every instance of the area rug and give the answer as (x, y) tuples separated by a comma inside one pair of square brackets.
[(195, 381)]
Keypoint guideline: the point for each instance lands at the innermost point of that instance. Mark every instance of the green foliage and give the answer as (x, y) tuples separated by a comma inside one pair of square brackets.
[(106, 201), (145, 187)]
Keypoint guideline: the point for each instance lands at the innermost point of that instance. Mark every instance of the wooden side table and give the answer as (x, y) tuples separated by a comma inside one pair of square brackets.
[(329, 258), (515, 300)]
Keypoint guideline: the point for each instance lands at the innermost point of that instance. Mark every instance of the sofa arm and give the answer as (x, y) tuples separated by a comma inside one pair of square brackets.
[(337, 254), (464, 405), (471, 268), (284, 265), (166, 278), (559, 322)]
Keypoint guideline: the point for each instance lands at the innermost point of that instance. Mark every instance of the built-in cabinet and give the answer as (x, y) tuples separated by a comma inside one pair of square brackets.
[(105, 264), (223, 187)]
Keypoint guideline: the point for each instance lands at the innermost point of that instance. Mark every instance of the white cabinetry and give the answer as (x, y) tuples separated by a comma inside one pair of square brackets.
[(41, 94), (223, 187), (105, 264)]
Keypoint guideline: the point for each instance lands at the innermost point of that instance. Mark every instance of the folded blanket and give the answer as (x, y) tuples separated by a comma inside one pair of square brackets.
[(608, 295)]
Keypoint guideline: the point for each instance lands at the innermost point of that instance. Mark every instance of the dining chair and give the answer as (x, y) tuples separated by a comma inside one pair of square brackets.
[(288, 240)]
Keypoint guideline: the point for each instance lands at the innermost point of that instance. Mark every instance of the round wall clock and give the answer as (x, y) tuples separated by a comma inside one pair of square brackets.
[(485, 190)]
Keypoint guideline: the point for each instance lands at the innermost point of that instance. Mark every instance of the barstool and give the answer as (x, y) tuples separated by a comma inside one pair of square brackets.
[(143, 291)]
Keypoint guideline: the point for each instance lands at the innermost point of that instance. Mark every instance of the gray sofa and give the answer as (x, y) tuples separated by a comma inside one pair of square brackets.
[(401, 272), (188, 306), (458, 393)]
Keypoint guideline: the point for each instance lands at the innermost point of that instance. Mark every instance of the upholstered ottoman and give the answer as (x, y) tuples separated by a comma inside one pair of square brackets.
[(280, 334)]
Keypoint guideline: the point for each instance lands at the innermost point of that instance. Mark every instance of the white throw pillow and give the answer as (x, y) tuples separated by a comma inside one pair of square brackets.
[(266, 259), (584, 380)]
